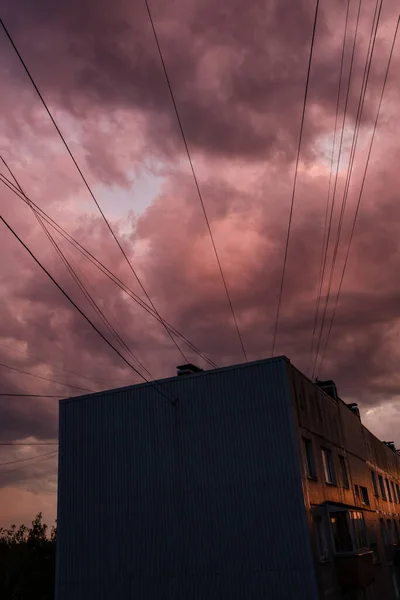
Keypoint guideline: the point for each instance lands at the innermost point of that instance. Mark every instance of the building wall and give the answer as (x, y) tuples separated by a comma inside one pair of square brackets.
[(330, 424), (199, 500)]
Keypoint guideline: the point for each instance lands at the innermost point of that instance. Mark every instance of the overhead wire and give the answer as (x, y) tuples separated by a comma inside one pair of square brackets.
[(360, 194), (88, 187), (87, 319), (367, 67), (44, 378), (28, 443), (295, 180), (78, 281), (38, 460), (326, 234), (13, 462), (197, 185), (15, 395), (52, 365), (99, 265), (375, 22)]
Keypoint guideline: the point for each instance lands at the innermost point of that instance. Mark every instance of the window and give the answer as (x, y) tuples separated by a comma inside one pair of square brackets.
[(374, 548), (388, 489), (310, 462), (382, 486), (374, 483), (357, 490), (341, 532), (396, 531), (348, 531), (322, 542), (329, 469), (360, 533), (345, 477), (384, 532), (398, 492), (393, 491), (364, 495), (390, 530)]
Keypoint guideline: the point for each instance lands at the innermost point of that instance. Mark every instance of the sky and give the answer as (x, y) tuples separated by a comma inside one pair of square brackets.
[(238, 74)]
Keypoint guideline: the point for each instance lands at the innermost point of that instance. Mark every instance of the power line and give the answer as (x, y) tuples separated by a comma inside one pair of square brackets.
[(88, 186), (38, 460), (54, 366), (46, 362), (28, 444), (195, 178), (93, 326), (11, 395), (99, 265), (367, 68), (92, 302), (77, 280), (360, 194), (95, 305), (295, 180), (44, 378), (358, 117), (13, 462), (327, 227)]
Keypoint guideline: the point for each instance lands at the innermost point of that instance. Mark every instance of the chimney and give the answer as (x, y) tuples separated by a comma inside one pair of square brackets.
[(353, 406), (391, 445), (188, 369), (329, 387)]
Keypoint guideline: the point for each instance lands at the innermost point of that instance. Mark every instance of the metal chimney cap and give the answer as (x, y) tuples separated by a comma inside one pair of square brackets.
[(188, 369)]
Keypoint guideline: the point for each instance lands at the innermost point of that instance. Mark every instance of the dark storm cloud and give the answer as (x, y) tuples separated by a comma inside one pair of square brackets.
[(238, 71)]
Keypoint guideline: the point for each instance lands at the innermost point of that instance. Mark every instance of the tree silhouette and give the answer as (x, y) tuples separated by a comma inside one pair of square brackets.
[(27, 561)]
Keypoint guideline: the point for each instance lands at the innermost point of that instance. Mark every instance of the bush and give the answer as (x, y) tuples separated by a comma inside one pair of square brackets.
[(27, 562)]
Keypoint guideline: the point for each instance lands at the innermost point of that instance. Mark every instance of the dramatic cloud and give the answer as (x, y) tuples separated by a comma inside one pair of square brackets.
[(238, 74)]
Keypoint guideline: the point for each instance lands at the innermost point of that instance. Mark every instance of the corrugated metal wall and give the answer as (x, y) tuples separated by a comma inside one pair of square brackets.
[(201, 500)]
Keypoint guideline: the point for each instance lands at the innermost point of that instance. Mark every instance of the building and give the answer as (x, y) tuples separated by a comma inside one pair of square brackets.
[(245, 482)]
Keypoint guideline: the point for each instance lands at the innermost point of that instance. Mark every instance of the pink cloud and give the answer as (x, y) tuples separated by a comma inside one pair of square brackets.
[(239, 78)]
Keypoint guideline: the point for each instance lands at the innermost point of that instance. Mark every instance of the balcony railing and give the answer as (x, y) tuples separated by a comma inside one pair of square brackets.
[(355, 570)]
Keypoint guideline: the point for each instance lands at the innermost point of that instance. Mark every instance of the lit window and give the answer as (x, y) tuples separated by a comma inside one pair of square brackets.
[(364, 495), (358, 525), (329, 469), (374, 483), (345, 477), (382, 486), (310, 462), (388, 489), (348, 531)]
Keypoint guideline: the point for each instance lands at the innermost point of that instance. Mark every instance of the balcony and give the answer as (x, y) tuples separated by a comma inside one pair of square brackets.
[(355, 570)]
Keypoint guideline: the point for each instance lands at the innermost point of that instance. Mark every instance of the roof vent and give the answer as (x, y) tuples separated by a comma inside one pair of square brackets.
[(354, 408), (391, 445), (188, 369), (329, 387)]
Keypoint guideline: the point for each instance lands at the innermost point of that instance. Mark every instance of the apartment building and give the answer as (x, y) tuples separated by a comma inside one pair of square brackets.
[(248, 481), (351, 487)]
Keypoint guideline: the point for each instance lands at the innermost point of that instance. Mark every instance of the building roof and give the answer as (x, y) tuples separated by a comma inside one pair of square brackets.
[(207, 373)]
